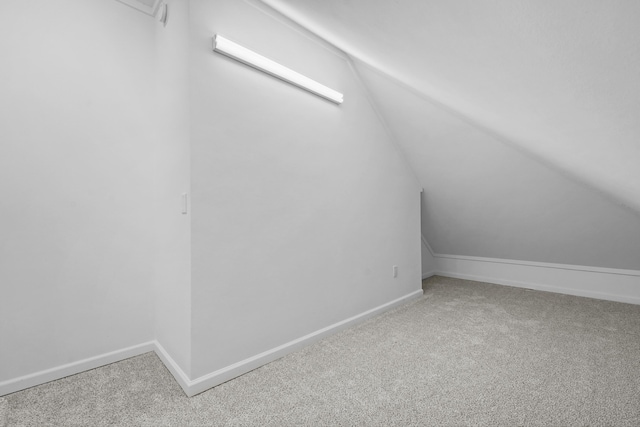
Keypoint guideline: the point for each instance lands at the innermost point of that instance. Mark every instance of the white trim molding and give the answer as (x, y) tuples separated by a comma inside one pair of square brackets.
[(198, 385), (542, 265), (42, 377), (205, 382), (620, 286), (585, 281)]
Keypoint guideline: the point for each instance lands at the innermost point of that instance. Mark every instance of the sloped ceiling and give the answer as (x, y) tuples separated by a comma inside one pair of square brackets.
[(484, 198), (521, 118)]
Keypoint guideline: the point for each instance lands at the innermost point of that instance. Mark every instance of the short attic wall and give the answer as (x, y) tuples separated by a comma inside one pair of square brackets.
[(600, 283), (485, 198)]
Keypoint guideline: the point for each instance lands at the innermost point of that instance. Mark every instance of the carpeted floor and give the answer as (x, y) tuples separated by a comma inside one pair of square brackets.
[(468, 353)]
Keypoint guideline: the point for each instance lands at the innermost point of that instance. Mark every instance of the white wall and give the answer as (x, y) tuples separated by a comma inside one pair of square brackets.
[(171, 151), (76, 227), (300, 207)]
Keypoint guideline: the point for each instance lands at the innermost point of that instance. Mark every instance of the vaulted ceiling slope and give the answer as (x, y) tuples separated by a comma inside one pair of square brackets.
[(485, 198), (521, 118)]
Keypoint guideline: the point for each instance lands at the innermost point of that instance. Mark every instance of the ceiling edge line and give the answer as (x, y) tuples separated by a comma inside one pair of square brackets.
[(283, 19), (374, 106)]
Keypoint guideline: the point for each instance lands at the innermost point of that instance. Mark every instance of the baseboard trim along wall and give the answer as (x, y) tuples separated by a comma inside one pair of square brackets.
[(203, 383), (42, 377), (592, 282), (198, 385)]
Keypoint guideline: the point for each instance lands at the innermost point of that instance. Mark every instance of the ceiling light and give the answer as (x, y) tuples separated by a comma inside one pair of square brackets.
[(242, 54)]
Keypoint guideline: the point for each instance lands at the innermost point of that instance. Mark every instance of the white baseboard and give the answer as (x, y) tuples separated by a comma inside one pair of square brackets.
[(592, 282), (41, 377), (584, 281), (180, 376), (203, 383), (193, 387)]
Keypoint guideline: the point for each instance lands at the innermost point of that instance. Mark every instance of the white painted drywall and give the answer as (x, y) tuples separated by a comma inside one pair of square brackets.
[(485, 198), (171, 151), (300, 207), (76, 216)]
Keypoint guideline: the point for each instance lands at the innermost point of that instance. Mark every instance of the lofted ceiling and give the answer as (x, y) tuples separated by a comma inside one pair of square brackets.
[(559, 79), (524, 112), (484, 198)]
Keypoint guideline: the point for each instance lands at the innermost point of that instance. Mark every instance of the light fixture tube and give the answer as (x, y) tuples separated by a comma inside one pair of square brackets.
[(242, 54)]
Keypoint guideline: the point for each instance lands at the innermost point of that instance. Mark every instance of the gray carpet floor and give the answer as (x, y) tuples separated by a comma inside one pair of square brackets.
[(468, 353)]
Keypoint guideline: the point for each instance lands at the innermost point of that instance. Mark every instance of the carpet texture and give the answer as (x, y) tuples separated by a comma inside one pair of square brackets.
[(468, 353)]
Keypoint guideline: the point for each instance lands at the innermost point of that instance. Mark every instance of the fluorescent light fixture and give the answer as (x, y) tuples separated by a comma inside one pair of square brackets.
[(242, 54)]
